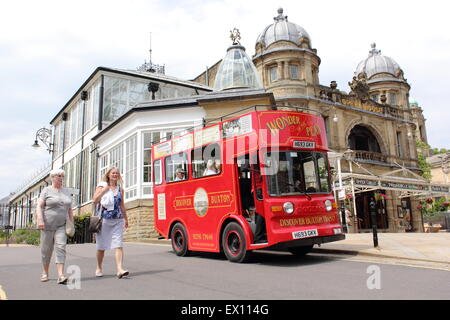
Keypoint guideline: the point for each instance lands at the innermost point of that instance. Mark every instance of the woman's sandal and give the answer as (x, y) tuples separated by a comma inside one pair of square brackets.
[(120, 275), (62, 280), (44, 277)]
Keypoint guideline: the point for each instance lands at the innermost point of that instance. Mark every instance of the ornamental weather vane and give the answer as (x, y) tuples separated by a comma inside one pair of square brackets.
[(235, 36)]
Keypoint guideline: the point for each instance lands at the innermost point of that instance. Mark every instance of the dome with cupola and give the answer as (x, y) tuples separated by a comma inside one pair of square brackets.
[(237, 69), (377, 64), (282, 29)]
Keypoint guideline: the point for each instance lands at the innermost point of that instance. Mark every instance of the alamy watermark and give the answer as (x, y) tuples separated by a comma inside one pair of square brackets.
[(374, 280), (74, 281)]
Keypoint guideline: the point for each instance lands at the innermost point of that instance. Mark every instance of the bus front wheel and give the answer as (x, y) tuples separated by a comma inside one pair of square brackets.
[(179, 240), (300, 251), (234, 243)]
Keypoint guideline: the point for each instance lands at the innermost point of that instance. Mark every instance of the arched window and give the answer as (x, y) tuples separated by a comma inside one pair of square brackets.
[(362, 139)]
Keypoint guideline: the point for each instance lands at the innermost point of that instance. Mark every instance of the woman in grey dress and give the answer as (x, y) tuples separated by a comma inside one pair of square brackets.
[(54, 205), (109, 195)]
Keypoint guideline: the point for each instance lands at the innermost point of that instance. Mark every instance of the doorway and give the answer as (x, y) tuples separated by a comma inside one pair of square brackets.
[(363, 210)]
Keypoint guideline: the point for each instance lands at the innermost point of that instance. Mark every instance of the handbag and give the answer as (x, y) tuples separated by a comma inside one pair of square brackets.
[(95, 221), (70, 227)]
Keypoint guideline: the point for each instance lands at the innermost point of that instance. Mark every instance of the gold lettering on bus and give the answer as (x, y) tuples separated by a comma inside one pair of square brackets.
[(313, 130), (282, 122), (183, 202), (220, 199), (306, 221)]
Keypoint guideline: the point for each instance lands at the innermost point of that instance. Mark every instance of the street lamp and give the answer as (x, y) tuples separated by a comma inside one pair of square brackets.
[(43, 135), (349, 155)]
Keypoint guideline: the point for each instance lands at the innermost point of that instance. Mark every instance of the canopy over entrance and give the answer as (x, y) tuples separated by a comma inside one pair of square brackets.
[(404, 181)]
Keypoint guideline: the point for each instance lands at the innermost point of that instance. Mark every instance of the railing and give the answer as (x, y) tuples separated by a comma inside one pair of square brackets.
[(368, 156)]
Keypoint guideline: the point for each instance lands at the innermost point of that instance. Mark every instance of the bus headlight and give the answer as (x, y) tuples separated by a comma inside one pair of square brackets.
[(288, 207), (328, 205)]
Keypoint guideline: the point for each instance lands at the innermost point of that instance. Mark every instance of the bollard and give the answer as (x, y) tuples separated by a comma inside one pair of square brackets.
[(373, 218)]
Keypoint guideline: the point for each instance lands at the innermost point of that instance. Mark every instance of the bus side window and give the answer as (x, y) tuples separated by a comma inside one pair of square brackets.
[(176, 167), (157, 172), (206, 161)]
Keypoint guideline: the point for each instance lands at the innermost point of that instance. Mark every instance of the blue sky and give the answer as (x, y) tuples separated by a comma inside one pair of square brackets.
[(48, 48)]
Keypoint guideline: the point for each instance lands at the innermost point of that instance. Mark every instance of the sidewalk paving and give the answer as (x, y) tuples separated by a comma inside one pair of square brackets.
[(427, 247)]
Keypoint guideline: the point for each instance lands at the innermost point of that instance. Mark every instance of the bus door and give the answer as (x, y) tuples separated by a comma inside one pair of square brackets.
[(251, 195)]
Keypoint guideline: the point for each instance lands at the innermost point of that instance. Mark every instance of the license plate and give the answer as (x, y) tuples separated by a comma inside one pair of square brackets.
[(305, 234)]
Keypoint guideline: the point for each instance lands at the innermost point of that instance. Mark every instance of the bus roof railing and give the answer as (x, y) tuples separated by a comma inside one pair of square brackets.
[(229, 115)]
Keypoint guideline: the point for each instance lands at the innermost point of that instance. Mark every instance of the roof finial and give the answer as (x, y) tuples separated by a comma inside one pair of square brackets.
[(235, 36), (280, 16), (374, 50)]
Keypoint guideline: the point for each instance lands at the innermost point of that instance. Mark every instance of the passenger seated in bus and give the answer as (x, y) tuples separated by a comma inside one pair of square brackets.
[(210, 168), (179, 174)]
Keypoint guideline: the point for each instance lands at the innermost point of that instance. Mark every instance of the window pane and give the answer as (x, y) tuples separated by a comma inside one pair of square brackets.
[(273, 73), (294, 71), (206, 161), (158, 172), (176, 167)]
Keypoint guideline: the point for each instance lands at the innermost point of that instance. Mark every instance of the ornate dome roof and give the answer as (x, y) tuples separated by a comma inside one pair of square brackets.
[(237, 69), (377, 63), (413, 102), (282, 29)]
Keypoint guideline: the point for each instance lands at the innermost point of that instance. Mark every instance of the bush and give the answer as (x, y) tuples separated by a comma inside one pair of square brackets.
[(26, 236), (2, 235), (80, 222)]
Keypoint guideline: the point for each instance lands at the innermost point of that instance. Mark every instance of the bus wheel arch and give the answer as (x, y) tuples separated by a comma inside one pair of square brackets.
[(179, 239)]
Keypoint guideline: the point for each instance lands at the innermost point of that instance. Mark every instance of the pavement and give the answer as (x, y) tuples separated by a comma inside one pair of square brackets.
[(425, 249)]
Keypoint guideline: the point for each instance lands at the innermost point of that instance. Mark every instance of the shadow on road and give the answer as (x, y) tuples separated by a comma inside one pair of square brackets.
[(131, 276), (274, 258)]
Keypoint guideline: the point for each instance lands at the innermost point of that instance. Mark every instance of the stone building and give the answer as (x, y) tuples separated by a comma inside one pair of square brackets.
[(374, 120)]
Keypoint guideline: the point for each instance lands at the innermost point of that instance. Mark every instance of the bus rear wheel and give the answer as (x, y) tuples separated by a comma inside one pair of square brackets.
[(300, 251), (179, 240), (234, 243)]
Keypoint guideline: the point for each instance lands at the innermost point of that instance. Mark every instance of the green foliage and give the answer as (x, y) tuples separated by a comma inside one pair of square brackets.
[(80, 227), (422, 145), (2, 235), (440, 151), (432, 208), (424, 166), (26, 236)]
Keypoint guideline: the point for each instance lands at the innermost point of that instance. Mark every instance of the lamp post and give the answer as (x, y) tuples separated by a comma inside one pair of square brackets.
[(153, 87), (373, 219), (43, 135)]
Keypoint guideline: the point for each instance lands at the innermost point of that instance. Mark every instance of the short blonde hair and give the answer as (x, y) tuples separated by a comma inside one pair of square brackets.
[(56, 172), (106, 175)]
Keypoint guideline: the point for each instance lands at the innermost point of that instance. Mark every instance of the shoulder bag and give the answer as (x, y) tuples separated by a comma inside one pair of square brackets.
[(95, 221), (70, 227)]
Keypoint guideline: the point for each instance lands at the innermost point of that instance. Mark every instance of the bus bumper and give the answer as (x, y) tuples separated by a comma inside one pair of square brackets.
[(306, 242)]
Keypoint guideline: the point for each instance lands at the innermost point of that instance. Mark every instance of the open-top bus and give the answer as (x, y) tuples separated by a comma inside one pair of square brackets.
[(253, 181)]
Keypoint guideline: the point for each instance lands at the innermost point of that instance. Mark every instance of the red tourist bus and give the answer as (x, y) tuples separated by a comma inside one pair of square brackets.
[(258, 180)]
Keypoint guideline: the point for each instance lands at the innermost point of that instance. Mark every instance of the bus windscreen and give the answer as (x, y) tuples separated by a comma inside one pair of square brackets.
[(296, 173)]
